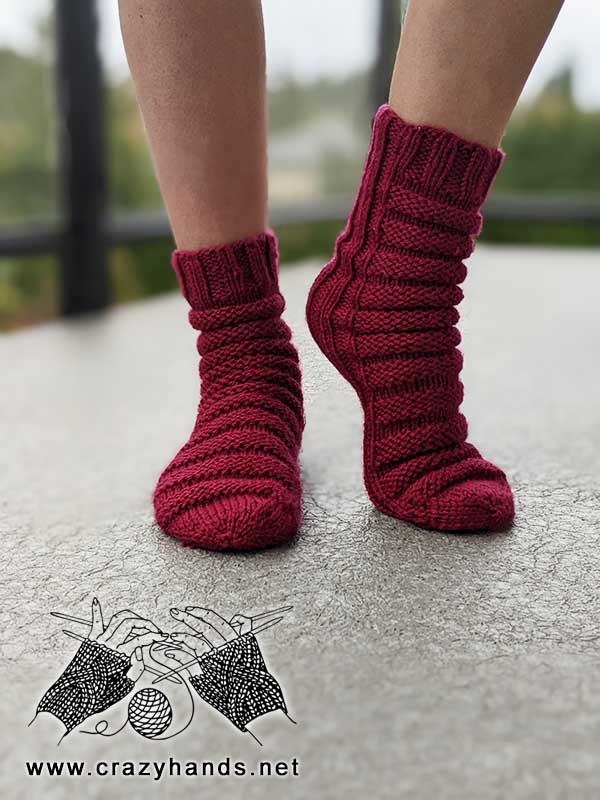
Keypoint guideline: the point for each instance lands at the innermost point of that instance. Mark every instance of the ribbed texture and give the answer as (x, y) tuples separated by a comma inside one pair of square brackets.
[(383, 311), (235, 484), (435, 163), (228, 275)]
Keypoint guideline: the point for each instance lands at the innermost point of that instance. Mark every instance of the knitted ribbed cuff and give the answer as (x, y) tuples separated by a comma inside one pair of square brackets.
[(230, 274), (433, 161)]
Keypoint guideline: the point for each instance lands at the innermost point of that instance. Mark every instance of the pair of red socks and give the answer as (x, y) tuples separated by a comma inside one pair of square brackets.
[(383, 312)]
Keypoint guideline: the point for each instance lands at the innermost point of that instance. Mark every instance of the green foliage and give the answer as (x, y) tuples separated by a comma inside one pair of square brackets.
[(556, 234), (27, 150), (297, 242), (28, 291), (552, 153), (140, 270), (554, 146)]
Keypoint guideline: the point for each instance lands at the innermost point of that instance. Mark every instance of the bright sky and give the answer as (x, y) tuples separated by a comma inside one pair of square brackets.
[(316, 37)]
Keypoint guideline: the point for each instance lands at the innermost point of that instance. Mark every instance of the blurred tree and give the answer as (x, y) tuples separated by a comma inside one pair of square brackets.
[(28, 287), (553, 146), (27, 155), (292, 103)]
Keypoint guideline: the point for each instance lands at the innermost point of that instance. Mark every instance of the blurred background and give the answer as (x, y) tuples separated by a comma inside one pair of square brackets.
[(81, 222)]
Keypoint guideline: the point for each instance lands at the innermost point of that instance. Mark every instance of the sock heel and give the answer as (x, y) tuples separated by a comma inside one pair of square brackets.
[(319, 308)]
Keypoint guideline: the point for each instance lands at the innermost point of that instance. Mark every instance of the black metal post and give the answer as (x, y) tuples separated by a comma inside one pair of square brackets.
[(388, 34), (85, 282)]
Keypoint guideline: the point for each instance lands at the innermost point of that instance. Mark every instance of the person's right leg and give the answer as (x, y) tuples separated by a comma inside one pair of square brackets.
[(383, 309), (199, 72), (462, 64)]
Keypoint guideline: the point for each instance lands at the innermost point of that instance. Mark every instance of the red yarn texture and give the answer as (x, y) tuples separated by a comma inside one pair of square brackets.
[(235, 484), (383, 312)]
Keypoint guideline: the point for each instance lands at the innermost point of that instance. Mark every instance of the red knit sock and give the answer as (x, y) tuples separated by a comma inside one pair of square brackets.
[(382, 311), (235, 484)]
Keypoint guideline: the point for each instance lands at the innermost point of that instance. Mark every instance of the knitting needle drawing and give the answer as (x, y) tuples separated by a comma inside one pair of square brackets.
[(244, 623), (198, 659), (126, 633), (241, 623)]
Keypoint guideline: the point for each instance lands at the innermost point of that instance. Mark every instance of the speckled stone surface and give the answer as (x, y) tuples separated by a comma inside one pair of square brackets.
[(417, 665)]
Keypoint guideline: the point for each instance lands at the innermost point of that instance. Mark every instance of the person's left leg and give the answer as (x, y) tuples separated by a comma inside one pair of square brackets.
[(383, 309)]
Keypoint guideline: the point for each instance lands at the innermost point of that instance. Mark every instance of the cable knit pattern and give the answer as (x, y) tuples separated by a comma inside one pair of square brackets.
[(235, 484), (383, 312)]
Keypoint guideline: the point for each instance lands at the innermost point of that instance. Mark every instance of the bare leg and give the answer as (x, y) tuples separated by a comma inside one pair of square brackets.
[(199, 72), (462, 64)]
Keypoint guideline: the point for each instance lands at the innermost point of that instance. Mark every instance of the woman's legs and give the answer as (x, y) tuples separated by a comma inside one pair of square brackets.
[(383, 309), (461, 64), (199, 71)]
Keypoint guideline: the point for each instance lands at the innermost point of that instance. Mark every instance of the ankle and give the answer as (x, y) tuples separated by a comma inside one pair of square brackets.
[(230, 274)]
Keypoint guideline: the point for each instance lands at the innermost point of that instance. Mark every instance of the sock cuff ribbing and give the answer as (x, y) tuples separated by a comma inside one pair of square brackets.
[(229, 274), (434, 162)]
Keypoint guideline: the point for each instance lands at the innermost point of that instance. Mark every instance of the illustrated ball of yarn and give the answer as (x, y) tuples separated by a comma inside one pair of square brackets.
[(149, 712)]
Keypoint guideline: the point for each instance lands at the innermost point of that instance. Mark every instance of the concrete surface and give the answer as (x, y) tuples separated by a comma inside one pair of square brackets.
[(418, 665)]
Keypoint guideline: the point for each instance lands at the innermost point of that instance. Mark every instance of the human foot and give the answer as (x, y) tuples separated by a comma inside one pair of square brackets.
[(235, 484), (383, 312)]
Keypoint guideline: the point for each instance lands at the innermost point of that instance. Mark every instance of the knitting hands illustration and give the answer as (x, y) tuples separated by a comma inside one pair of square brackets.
[(105, 668), (220, 659), (127, 633), (205, 631), (210, 631)]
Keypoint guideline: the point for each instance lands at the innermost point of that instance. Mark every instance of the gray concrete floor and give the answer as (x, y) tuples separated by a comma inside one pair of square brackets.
[(418, 665)]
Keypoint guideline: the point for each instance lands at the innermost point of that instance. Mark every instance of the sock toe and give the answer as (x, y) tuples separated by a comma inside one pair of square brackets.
[(239, 522), (472, 505)]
